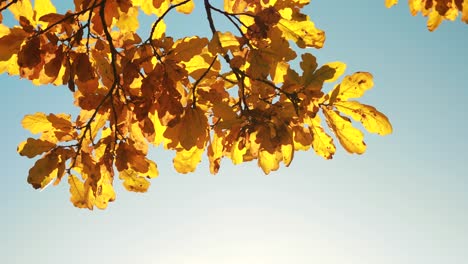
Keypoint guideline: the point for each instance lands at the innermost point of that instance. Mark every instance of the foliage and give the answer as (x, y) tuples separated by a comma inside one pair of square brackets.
[(231, 95), (436, 10)]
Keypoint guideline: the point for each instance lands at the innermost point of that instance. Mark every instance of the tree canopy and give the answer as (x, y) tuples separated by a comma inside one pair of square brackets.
[(230, 95)]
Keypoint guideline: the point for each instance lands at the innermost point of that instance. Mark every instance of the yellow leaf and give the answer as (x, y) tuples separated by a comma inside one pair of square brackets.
[(10, 66), (128, 21), (287, 153), (186, 8), (43, 7), (434, 20), (465, 12), (104, 189), (215, 153), (234, 6), (322, 143), (198, 65), (139, 139), (390, 3), (148, 8), (238, 151), (269, 161), (350, 138), (99, 121), (279, 71), (33, 147), (22, 8), (161, 6), (186, 161), (37, 123), (353, 86), (80, 194), (373, 120), (223, 41), (159, 129), (132, 181), (153, 171), (159, 30), (304, 33)]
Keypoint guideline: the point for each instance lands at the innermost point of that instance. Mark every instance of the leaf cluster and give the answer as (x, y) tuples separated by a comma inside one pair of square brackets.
[(232, 95), (436, 10)]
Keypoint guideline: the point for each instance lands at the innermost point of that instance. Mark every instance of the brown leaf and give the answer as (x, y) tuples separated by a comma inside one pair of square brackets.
[(83, 68)]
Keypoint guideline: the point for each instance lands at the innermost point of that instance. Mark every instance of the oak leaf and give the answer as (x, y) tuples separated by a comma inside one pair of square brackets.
[(350, 138), (33, 147), (372, 120)]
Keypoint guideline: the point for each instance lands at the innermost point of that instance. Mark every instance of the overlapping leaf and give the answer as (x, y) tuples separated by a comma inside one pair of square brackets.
[(234, 95)]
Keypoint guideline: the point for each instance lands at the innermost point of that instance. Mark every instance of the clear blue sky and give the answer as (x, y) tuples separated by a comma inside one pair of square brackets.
[(404, 201)]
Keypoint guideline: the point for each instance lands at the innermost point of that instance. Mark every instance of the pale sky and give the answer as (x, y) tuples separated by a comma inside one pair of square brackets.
[(404, 201)]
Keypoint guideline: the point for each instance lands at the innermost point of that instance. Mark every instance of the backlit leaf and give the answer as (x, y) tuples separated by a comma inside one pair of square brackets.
[(37, 123), (80, 194), (22, 8), (186, 161), (322, 143), (354, 86), (43, 7), (304, 33), (44, 171), (390, 3), (186, 8), (104, 190), (33, 147), (132, 181), (373, 120), (269, 161), (350, 138)]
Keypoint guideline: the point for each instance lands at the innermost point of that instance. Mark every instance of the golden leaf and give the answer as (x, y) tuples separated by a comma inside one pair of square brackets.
[(238, 151), (322, 143), (159, 129), (269, 161), (22, 8), (128, 21), (353, 86), (43, 7), (235, 6), (434, 20), (37, 123), (350, 138), (80, 194), (390, 3), (104, 190), (287, 153), (215, 153), (373, 120), (186, 161), (160, 30), (186, 8), (132, 181), (304, 33)]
